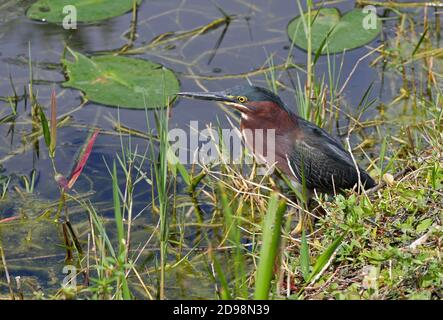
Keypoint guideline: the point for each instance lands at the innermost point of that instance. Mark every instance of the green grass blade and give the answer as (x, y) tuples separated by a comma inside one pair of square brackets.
[(382, 156), (53, 129), (419, 42), (322, 45), (45, 128), (234, 236), (224, 290), (120, 235), (304, 257), (117, 207), (270, 246), (175, 165), (323, 259)]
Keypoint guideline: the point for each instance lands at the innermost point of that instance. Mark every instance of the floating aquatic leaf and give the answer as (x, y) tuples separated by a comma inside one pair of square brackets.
[(55, 11), (121, 81), (352, 30)]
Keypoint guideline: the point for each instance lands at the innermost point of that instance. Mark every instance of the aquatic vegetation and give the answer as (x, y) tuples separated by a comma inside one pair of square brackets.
[(120, 81), (330, 32), (125, 219), (86, 10)]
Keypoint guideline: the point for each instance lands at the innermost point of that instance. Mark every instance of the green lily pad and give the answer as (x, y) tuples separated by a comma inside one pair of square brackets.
[(352, 30), (87, 10), (120, 81)]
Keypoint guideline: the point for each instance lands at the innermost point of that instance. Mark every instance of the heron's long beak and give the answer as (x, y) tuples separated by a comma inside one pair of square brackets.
[(213, 96)]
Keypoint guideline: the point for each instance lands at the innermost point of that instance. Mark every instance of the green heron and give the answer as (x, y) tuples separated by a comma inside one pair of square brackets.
[(303, 151)]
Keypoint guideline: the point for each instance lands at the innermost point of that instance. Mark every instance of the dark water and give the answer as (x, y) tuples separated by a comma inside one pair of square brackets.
[(257, 31)]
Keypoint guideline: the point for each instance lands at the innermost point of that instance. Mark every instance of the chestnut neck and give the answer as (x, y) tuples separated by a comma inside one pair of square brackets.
[(268, 115)]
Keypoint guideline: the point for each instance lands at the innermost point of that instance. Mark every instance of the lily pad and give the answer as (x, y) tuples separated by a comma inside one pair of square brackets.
[(120, 81), (352, 30), (87, 10)]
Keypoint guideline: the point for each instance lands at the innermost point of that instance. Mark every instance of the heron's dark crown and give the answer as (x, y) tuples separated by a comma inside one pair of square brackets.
[(254, 93)]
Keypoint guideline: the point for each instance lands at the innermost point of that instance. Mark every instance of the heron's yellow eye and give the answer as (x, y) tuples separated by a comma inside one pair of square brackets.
[(242, 99)]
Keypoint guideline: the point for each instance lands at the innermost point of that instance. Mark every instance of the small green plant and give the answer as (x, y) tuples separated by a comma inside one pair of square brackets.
[(4, 184), (28, 183)]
